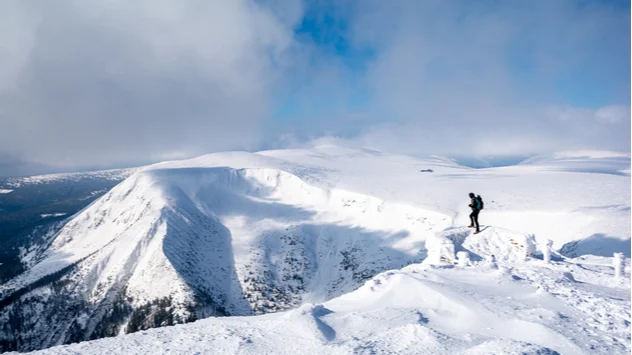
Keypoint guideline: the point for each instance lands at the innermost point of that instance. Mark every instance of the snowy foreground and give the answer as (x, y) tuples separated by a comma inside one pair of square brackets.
[(528, 308), (333, 250)]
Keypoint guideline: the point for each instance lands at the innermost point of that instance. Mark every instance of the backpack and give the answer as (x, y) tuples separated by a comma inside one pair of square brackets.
[(479, 202)]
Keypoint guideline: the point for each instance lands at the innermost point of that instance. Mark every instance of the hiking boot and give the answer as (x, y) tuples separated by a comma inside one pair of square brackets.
[(476, 232), (470, 226)]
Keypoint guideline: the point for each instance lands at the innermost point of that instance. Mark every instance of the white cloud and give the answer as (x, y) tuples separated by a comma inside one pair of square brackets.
[(483, 78), (613, 114), (610, 114)]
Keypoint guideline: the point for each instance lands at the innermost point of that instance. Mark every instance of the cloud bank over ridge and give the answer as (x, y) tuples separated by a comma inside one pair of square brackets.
[(120, 83)]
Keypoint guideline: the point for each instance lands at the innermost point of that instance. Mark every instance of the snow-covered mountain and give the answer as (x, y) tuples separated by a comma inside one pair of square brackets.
[(240, 234)]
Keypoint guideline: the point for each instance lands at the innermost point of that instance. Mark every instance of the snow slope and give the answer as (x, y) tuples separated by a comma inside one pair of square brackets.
[(519, 308), (250, 233)]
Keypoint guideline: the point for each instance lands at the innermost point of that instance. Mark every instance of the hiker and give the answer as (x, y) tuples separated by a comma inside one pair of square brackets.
[(476, 203)]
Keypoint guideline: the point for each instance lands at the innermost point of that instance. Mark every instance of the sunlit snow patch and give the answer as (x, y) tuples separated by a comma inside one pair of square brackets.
[(47, 215)]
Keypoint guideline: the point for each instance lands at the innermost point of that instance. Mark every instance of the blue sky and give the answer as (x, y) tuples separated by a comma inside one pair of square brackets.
[(596, 76), (542, 71), (84, 86), (325, 30)]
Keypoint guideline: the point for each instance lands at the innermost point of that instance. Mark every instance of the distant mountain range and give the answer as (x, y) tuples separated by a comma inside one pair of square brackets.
[(35, 206)]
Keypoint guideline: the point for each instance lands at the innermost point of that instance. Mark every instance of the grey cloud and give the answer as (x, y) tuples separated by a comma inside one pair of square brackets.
[(116, 82)]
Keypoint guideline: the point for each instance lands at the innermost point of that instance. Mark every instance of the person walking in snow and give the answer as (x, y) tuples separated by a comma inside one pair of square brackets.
[(476, 204)]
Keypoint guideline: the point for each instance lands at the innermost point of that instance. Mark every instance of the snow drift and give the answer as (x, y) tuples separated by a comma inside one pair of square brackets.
[(529, 308)]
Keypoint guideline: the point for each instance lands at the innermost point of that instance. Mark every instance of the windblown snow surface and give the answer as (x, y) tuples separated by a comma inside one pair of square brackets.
[(334, 242)]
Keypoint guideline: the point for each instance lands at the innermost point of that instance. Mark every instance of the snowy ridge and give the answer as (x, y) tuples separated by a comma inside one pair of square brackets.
[(241, 234), (215, 241)]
